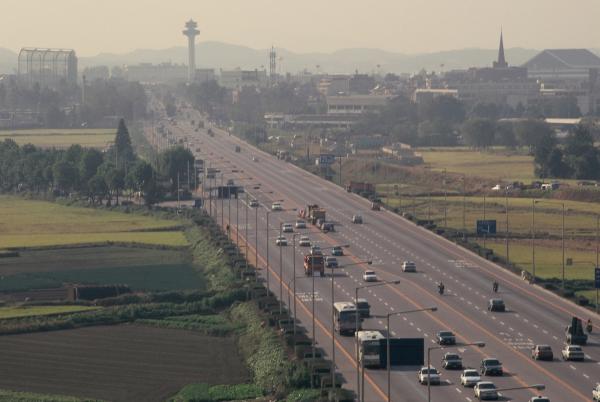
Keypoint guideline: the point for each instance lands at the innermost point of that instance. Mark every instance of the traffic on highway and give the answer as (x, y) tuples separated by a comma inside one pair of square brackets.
[(356, 276)]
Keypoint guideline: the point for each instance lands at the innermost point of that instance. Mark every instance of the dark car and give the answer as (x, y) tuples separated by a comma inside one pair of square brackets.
[(446, 338), (491, 367), (364, 308), (452, 361), (337, 251), (496, 305), (542, 352)]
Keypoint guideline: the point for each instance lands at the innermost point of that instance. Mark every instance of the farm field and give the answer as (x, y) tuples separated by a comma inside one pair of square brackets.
[(61, 138), (29, 311), (501, 164), (140, 268), (117, 363), (29, 223), (579, 218)]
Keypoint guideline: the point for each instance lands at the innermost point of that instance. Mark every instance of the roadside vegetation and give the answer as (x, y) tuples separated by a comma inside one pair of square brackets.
[(61, 138), (29, 310)]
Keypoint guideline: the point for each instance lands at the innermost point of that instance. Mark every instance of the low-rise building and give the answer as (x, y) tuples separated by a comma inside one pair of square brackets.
[(239, 78), (402, 153), (356, 104)]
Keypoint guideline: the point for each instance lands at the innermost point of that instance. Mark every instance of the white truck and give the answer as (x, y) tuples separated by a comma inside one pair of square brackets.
[(369, 348)]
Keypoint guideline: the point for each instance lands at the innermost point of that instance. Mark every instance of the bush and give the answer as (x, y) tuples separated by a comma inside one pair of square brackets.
[(304, 395), (208, 393)]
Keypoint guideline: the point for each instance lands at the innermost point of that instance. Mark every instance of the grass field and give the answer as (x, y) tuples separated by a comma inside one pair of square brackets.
[(579, 218), (29, 311), (117, 363), (27, 223), (62, 138), (497, 164), (13, 396), (140, 268)]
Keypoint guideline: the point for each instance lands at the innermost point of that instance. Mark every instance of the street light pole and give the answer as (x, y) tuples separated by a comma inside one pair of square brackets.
[(506, 238), (533, 240), (388, 349), (256, 243), (268, 284)]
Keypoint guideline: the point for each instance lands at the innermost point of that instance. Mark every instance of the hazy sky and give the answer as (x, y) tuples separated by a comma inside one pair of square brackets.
[(410, 26)]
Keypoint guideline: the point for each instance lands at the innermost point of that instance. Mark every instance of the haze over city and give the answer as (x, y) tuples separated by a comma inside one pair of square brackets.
[(414, 26)]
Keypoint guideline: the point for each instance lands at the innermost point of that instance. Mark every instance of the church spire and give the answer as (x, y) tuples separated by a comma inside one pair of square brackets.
[(501, 63)]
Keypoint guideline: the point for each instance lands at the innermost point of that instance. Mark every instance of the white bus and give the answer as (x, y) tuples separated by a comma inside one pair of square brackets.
[(369, 348), (345, 317)]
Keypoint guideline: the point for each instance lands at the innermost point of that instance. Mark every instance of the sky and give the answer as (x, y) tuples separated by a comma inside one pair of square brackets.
[(407, 26)]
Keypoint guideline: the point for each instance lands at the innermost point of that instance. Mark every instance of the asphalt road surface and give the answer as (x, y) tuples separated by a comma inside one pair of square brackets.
[(533, 316)]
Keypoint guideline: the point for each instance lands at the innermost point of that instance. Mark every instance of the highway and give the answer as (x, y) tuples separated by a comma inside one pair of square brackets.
[(534, 315)]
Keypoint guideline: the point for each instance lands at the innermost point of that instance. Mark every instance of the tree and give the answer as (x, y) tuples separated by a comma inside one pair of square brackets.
[(530, 132), (175, 162), (66, 175), (97, 188), (141, 177), (115, 180), (122, 146), (555, 166), (505, 135), (443, 108), (88, 166), (478, 133), (579, 141)]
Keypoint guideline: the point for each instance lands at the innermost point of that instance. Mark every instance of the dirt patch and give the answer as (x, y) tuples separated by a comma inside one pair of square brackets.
[(117, 363)]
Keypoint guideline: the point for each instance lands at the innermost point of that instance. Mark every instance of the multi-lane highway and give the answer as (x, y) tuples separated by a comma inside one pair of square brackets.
[(534, 315)]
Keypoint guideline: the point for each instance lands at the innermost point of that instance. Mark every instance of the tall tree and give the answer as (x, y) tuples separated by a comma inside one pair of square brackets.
[(122, 147), (479, 133)]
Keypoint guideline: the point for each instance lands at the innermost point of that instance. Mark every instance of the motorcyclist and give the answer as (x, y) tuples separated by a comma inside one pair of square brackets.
[(495, 286), (441, 288), (589, 326)]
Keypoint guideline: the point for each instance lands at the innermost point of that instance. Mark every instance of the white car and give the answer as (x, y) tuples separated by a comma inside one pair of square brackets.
[(485, 390), (573, 352), (287, 228), (596, 393), (409, 266), (497, 187), (370, 276), (430, 374), (300, 224), (281, 241), (276, 206), (304, 241), (469, 378)]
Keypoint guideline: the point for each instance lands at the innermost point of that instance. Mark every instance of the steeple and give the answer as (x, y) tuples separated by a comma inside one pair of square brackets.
[(501, 63)]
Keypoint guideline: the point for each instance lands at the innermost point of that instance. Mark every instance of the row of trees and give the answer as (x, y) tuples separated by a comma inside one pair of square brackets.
[(90, 172), (62, 107)]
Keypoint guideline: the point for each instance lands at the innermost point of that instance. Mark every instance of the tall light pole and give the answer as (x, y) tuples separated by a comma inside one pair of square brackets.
[(533, 240), (358, 387), (506, 237), (445, 201), (429, 349), (388, 350)]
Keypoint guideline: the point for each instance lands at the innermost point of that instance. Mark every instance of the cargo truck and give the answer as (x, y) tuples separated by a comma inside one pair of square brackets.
[(360, 187), (575, 334), (313, 213), (314, 263)]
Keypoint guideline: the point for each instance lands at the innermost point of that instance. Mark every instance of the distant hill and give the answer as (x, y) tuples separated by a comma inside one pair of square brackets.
[(222, 55)]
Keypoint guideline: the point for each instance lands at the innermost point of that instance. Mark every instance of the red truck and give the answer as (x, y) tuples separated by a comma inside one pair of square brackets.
[(314, 263)]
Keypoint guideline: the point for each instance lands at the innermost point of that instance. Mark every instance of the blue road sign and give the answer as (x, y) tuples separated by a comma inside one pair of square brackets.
[(486, 227), (597, 278)]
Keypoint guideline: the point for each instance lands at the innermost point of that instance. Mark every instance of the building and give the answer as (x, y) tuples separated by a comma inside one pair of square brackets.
[(334, 85), (402, 153), (500, 84), (239, 78), (47, 67), (355, 104), (165, 73), (427, 94), (562, 64), (96, 73)]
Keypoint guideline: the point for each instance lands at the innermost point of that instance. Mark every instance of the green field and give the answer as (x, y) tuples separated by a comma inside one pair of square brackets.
[(27, 223), (494, 164), (161, 277), (579, 217), (29, 311), (62, 138)]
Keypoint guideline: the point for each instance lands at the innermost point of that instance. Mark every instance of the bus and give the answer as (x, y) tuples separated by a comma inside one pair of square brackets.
[(369, 348), (345, 317)]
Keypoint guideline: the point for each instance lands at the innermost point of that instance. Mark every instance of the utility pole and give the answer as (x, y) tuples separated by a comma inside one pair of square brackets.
[(506, 211), (533, 239)]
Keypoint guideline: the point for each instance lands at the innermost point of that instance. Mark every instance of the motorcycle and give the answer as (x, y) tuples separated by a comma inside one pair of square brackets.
[(495, 287), (589, 327), (441, 289)]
